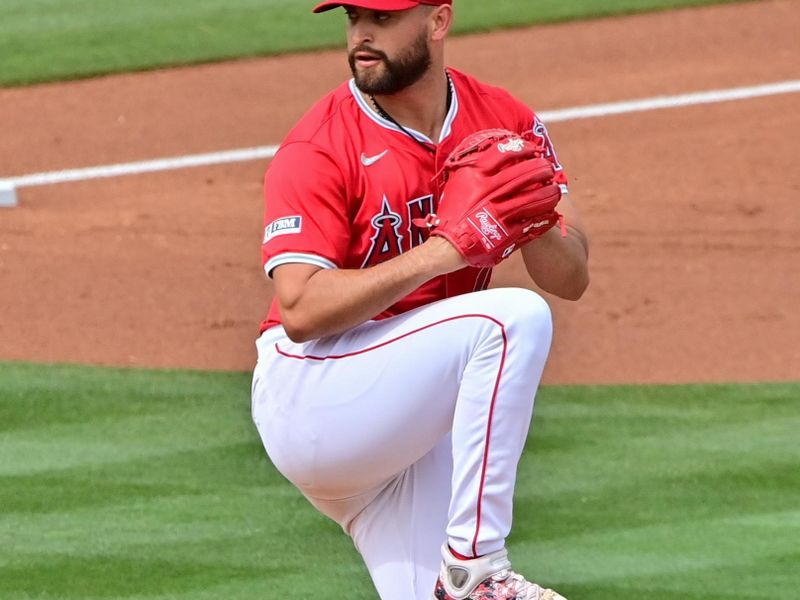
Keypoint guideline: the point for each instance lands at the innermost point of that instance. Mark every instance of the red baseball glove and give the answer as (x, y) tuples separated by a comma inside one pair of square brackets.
[(498, 194)]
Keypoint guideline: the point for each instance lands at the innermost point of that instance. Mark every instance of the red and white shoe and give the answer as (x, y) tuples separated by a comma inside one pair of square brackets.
[(486, 578)]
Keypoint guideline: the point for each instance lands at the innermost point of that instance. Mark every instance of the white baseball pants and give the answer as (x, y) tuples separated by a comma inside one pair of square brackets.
[(408, 431)]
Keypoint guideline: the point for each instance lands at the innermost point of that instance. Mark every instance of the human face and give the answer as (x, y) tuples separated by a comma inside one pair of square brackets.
[(405, 56)]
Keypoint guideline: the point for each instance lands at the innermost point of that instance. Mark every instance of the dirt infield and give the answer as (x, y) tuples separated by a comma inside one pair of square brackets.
[(694, 213)]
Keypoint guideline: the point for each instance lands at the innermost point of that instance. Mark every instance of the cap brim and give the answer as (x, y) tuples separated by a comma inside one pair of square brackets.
[(369, 4)]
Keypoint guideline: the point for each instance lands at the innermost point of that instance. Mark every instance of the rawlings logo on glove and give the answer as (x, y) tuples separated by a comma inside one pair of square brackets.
[(489, 228), (514, 145), (498, 195)]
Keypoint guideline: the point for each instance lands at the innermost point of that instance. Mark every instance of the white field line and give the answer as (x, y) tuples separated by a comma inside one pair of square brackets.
[(680, 100), (266, 152), (136, 168)]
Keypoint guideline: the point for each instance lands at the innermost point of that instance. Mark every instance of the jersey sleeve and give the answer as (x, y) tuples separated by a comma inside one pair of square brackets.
[(533, 124), (305, 209)]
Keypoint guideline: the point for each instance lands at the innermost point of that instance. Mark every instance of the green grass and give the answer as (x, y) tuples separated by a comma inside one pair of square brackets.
[(47, 40), (153, 485)]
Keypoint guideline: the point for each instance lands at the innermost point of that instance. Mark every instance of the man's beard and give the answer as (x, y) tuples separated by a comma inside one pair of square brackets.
[(397, 74)]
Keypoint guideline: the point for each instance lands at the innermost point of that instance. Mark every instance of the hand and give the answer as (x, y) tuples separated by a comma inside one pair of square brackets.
[(498, 195)]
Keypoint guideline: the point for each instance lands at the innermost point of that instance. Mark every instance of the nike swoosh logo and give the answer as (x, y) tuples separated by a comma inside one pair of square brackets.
[(371, 160)]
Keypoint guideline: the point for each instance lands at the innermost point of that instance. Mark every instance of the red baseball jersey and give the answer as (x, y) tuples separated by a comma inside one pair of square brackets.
[(346, 183)]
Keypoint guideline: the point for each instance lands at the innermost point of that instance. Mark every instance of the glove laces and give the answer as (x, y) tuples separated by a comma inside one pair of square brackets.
[(428, 222)]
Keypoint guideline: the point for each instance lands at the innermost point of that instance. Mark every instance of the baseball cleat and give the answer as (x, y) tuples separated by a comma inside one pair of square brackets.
[(486, 578)]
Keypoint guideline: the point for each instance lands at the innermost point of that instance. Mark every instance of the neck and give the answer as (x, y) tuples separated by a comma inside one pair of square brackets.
[(421, 106)]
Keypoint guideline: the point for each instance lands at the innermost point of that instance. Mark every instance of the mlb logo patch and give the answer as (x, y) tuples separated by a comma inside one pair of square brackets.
[(283, 226)]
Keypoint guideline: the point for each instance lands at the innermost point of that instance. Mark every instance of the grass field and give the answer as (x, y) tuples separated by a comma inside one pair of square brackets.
[(153, 485), (46, 40)]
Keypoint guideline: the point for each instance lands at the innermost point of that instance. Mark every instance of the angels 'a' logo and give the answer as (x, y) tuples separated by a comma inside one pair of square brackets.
[(540, 131), (419, 208), (386, 242)]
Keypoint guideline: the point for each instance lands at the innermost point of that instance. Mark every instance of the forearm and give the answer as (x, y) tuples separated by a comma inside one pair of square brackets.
[(334, 300), (559, 265)]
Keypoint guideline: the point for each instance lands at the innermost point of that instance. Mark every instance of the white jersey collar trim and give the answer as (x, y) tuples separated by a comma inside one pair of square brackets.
[(373, 114)]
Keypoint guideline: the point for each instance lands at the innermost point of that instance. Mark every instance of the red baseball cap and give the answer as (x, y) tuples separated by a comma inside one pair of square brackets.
[(380, 4)]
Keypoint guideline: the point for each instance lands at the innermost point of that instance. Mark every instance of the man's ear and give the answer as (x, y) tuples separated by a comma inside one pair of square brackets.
[(441, 21)]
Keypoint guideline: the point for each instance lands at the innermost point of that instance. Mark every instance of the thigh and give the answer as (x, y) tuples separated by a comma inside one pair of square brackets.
[(344, 415)]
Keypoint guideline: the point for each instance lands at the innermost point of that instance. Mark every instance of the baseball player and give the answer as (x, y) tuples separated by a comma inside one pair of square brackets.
[(392, 388)]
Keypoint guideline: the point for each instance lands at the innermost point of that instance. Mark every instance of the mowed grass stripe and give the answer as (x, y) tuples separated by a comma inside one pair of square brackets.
[(624, 492), (676, 491), (679, 548), (70, 419), (179, 517)]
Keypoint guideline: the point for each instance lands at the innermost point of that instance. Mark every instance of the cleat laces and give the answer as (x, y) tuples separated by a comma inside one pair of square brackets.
[(524, 589)]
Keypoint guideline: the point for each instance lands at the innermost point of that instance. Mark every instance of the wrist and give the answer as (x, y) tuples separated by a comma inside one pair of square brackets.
[(442, 256)]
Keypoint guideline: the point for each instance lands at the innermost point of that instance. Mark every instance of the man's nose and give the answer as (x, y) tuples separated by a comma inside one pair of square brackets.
[(361, 34)]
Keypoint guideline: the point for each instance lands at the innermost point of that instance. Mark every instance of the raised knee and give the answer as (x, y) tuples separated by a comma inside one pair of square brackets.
[(528, 314), (527, 308)]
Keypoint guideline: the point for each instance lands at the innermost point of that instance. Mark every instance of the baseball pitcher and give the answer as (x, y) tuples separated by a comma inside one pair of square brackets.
[(392, 388)]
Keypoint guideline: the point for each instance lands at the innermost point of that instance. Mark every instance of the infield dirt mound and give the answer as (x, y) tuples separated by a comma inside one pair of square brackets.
[(693, 213)]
